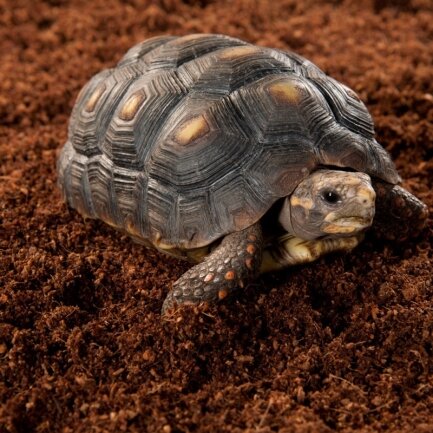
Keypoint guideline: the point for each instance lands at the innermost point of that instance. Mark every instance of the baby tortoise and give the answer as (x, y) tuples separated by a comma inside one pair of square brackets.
[(240, 158)]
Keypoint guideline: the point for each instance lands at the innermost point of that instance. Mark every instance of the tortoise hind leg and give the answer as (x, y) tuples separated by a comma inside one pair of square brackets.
[(234, 263), (399, 214)]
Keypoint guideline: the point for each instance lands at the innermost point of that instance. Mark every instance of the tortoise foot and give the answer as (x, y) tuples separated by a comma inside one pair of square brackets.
[(232, 265)]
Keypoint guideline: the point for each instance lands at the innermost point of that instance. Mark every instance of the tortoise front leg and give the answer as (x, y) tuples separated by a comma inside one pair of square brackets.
[(234, 263), (399, 214), (290, 250)]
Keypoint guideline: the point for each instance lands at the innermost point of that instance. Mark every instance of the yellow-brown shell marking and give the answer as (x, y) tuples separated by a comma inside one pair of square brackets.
[(236, 52), (285, 92), (189, 38), (131, 106), (191, 130), (95, 97)]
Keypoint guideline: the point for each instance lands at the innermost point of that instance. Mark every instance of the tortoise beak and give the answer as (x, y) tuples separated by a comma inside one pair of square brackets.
[(348, 225)]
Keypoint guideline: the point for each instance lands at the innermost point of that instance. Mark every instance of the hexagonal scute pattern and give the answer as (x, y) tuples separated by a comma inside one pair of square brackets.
[(190, 138)]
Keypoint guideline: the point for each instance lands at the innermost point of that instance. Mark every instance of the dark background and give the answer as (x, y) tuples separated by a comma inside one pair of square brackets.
[(344, 344)]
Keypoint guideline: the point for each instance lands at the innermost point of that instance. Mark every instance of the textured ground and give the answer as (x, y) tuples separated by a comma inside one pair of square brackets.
[(342, 345)]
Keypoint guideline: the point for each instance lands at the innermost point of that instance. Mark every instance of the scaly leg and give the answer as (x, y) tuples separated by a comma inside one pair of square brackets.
[(234, 263), (289, 250)]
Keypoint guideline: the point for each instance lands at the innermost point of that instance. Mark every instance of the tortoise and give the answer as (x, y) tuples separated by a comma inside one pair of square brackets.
[(238, 158)]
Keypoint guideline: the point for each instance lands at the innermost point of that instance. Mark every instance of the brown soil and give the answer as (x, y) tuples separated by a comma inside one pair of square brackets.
[(344, 344)]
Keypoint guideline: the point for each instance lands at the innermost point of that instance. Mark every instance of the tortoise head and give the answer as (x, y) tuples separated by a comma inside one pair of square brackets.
[(329, 203)]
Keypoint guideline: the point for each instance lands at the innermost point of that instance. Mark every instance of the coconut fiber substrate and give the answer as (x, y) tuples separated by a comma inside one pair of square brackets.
[(343, 344)]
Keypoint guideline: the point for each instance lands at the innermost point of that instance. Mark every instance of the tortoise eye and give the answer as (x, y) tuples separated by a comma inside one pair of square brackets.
[(330, 196)]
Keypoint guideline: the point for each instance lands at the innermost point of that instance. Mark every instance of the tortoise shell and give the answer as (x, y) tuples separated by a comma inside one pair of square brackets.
[(190, 138)]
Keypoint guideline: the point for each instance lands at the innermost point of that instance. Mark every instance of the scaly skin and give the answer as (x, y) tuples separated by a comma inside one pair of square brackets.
[(399, 214), (232, 265), (288, 250)]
